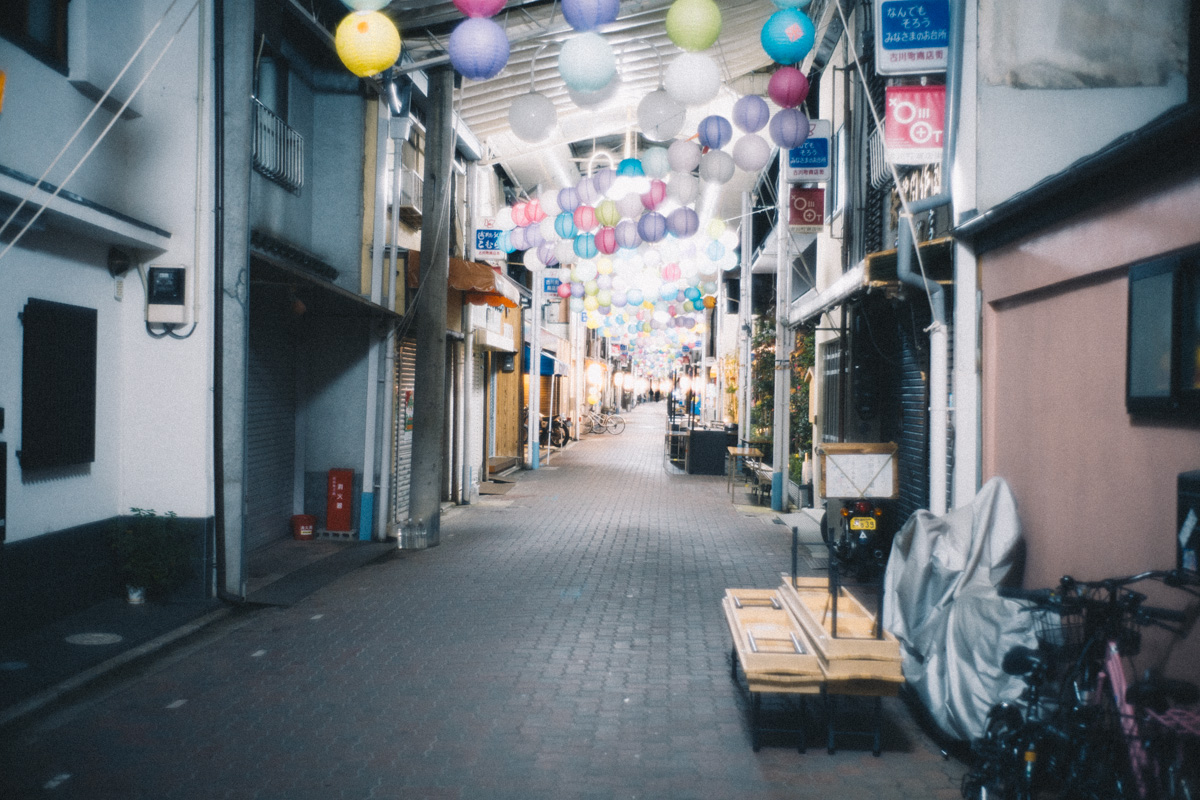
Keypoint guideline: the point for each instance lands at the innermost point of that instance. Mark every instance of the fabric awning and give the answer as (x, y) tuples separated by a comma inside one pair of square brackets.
[(549, 364), (482, 284)]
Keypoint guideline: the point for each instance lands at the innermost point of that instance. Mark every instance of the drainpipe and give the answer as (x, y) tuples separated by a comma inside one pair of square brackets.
[(783, 361), (939, 411), (745, 321), (366, 508), (535, 372)]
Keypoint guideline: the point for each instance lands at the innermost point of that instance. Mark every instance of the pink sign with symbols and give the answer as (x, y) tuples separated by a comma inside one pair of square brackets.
[(914, 124)]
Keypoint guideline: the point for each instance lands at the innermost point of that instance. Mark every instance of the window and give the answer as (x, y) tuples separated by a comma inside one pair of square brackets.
[(39, 27), (837, 186), (1163, 355)]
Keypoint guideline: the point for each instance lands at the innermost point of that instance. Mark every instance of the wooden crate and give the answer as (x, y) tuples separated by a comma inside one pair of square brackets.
[(770, 643), (858, 469), (855, 654)]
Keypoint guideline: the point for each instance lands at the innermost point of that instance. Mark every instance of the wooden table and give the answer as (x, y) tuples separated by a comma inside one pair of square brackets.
[(734, 454)]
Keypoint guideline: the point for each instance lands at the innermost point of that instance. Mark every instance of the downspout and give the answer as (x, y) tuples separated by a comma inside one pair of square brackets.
[(366, 508), (218, 291), (745, 321), (939, 411), (783, 362)]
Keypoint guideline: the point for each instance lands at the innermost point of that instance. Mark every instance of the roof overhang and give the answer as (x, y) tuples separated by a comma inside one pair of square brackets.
[(481, 283)]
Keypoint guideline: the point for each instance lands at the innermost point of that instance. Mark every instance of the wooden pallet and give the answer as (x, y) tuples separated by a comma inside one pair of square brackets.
[(770, 645), (855, 655)]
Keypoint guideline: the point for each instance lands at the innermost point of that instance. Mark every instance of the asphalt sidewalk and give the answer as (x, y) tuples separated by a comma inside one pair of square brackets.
[(564, 640)]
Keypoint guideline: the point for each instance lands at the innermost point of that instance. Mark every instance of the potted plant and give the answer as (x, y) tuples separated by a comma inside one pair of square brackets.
[(151, 553)]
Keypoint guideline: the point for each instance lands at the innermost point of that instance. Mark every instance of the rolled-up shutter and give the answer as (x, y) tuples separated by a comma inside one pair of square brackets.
[(406, 371), (270, 424)]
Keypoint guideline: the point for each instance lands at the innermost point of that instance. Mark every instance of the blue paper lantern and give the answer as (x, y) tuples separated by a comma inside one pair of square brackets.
[(652, 227), (585, 245), (714, 131), (788, 36), (504, 242), (564, 225), (586, 62), (789, 128), (478, 48), (587, 15), (750, 113)]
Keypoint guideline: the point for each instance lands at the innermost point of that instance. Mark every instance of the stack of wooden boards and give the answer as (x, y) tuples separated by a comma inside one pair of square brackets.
[(785, 641)]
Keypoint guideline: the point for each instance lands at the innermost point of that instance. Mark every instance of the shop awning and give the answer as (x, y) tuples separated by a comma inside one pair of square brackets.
[(482, 284), (878, 271), (549, 364)]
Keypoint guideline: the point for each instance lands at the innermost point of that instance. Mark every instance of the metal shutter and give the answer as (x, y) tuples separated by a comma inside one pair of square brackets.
[(270, 424), (477, 419), (913, 444), (406, 371)]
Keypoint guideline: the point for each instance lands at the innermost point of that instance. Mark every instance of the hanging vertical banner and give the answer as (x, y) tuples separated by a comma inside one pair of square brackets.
[(487, 237), (806, 210), (911, 36), (809, 162), (913, 125)]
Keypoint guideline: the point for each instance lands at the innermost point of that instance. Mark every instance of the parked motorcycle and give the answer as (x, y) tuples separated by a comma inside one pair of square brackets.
[(858, 538)]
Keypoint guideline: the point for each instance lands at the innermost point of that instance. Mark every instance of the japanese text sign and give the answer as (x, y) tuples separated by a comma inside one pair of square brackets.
[(810, 161), (911, 36), (914, 124), (487, 238), (806, 210)]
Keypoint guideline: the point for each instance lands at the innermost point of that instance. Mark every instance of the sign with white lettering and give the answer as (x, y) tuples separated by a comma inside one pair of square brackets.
[(810, 162), (914, 124), (487, 236), (806, 210), (911, 36)]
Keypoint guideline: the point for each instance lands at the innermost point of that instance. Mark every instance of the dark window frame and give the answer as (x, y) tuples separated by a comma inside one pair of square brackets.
[(1175, 345), (15, 24)]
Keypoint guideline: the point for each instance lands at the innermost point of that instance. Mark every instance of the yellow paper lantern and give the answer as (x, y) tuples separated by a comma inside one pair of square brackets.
[(367, 42)]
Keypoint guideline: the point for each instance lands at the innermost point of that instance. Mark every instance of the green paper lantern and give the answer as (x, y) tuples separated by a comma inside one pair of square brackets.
[(694, 24)]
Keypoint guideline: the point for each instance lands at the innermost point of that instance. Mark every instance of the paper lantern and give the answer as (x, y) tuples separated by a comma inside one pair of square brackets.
[(751, 113), (568, 198), (516, 238), (585, 245), (716, 166), (366, 5), (630, 206), (788, 87), (607, 213), (532, 116), (606, 240), (367, 42), (655, 162), (683, 156), (652, 227), (789, 128), (546, 252), (670, 272), (683, 222), (751, 152), (585, 218), (586, 62), (714, 132), (627, 234), (692, 79), (533, 210), (520, 214), (548, 197), (588, 195), (478, 8), (693, 24), (597, 98), (660, 116), (602, 181), (656, 194), (564, 251), (587, 15), (791, 3), (788, 36), (564, 290), (564, 225), (683, 187), (478, 48), (533, 236)]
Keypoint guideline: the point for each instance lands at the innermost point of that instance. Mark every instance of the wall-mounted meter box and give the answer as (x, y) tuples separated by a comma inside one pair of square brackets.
[(165, 295)]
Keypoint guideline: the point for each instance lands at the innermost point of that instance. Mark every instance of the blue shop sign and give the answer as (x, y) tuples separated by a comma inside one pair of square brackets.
[(810, 162), (912, 36)]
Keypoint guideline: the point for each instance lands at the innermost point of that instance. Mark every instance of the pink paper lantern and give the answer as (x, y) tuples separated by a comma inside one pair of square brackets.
[(671, 272), (655, 196), (606, 241), (788, 87), (585, 218), (520, 214), (479, 8), (564, 290), (533, 210)]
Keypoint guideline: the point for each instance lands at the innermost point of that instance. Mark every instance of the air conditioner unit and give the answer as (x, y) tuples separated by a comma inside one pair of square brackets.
[(412, 190)]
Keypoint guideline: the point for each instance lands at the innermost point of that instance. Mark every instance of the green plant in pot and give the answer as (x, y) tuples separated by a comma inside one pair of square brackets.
[(151, 553)]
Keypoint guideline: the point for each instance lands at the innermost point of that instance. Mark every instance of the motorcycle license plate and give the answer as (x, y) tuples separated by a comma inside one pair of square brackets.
[(862, 523)]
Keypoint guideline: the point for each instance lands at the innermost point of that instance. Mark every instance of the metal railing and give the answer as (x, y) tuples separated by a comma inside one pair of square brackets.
[(278, 149)]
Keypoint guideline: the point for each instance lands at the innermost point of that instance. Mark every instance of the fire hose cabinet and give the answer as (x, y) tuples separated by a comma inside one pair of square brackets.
[(338, 500)]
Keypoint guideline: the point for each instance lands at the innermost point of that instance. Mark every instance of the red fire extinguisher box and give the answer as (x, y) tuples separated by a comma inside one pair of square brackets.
[(338, 500)]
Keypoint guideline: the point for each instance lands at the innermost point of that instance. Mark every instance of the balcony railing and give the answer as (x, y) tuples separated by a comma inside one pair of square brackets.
[(278, 149)]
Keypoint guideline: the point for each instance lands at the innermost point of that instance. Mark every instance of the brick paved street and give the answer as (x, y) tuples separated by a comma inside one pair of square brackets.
[(565, 640)]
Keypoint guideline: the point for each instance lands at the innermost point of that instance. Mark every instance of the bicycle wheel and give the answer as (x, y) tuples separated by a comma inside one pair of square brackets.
[(616, 424)]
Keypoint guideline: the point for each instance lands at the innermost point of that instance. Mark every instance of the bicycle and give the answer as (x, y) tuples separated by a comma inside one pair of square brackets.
[(1099, 737), (603, 422)]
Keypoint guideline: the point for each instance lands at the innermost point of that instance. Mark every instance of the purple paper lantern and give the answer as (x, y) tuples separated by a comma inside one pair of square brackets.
[(564, 225), (533, 236), (577, 290), (603, 180), (478, 48), (585, 245), (788, 87), (683, 223), (652, 227), (479, 8), (789, 128), (627, 234), (788, 36), (714, 132), (546, 254), (568, 198), (518, 238), (750, 113), (587, 15), (588, 193)]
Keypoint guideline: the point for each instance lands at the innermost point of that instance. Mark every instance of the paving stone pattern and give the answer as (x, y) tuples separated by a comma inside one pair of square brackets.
[(565, 640)]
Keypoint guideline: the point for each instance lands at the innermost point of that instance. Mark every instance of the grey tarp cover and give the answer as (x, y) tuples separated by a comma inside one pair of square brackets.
[(940, 601)]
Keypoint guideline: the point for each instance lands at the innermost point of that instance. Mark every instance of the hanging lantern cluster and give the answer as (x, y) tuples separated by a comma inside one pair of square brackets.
[(478, 45), (787, 37)]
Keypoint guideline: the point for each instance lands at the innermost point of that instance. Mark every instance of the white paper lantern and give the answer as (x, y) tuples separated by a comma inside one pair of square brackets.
[(504, 219), (692, 79), (597, 98), (660, 116), (564, 251), (683, 155), (751, 152), (548, 197), (716, 166), (655, 162), (586, 62), (630, 206), (683, 187), (532, 116)]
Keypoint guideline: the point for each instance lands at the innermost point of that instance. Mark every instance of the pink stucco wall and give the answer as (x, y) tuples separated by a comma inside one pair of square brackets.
[(1095, 486)]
